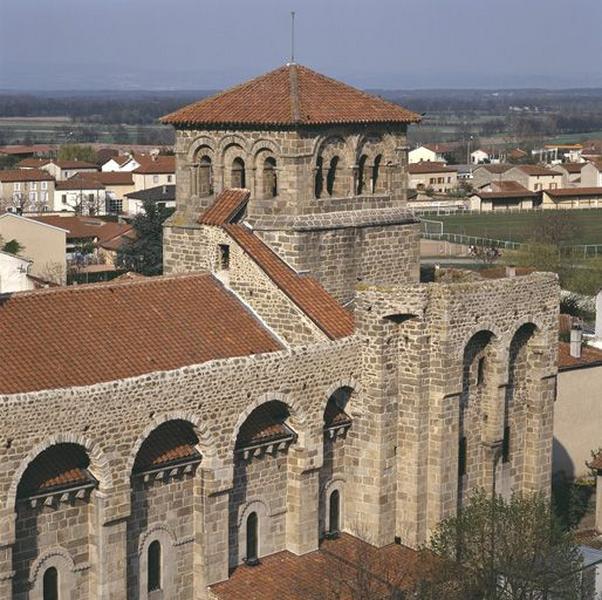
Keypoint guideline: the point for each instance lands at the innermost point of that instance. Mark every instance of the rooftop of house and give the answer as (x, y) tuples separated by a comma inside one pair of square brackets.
[(442, 147), (505, 189), (14, 175), (338, 569), (574, 192), (87, 334), (155, 164), (535, 170), (32, 163), (79, 227), (17, 149), (291, 95), (78, 183), (420, 168), (73, 164), (160, 193), (590, 357), (571, 167), (498, 169), (107, 178)]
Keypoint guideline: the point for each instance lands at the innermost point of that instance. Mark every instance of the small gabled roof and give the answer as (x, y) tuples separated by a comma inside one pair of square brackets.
[(73, 164), (150, 165), (291, 95), (429, 167), (225, 207), (159, 193), (534, 170)]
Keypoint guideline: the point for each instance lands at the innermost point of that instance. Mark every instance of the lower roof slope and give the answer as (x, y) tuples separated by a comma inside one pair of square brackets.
[(81, 335)]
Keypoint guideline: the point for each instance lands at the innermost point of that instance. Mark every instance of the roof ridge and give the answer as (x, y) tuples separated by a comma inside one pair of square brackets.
[(114, 283), (293, 80)]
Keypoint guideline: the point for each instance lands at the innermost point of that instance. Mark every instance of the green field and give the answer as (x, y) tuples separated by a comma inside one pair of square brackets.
[(518, 227)]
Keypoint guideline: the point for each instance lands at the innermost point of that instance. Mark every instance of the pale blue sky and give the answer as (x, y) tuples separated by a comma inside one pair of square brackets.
[(208, 44)]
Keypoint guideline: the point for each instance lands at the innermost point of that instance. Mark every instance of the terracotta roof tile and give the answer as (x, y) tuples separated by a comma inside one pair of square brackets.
[(60, 467), (107, 178), (155, 164), (32, 163), (228, 203), (81, 335), (534, 170), (574, 192), (74, 164), (590, 357), (571, 167), (171, 443), (336, 570), (25, 175), (334, 415), (429, 167), (304, 291), (265, 424), (78, 183), (291, 95), (80, 227)]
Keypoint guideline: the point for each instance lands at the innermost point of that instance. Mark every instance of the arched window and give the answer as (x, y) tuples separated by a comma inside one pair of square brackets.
[(205, 186), (270, 183), (334, 512), (252, 539), (238, 173), (319, 178), (154, 567), (361, 174), (51, 584), (376, 173), (331, 176)]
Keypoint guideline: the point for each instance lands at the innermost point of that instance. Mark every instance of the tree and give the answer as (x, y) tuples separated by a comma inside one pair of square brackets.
[(144, 253), (504, 549), (77, 152), (13, 247)]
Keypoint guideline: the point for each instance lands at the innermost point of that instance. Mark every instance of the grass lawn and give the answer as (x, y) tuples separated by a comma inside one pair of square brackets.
[(518, 227)]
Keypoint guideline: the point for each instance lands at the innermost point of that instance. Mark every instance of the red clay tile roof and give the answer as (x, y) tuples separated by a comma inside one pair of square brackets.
[(333, 415), (64, 337), (25, 175), (508, 186), (86, 227), (346, 568), (574, 192), (32, 163), (108, 178), (291, 95), (571, 167), (74, 164), (225, 207), (155, 164), (429, 167), (22, 149), (265, 424), (498, 169), (60, 467), (78, 183), (590, 357), (534, 170), (304, 291), (171, 443)]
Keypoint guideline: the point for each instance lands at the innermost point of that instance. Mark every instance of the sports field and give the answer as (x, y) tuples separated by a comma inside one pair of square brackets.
[(517, 227)]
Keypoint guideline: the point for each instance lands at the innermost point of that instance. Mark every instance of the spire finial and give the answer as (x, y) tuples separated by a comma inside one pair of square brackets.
[(292, 37)]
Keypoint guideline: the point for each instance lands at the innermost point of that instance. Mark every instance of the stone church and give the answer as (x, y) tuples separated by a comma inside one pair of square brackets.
[(288, 391)]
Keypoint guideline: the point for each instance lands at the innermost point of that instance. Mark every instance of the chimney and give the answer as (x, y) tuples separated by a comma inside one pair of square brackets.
[(576, 339), (598, 333), (165, 190)]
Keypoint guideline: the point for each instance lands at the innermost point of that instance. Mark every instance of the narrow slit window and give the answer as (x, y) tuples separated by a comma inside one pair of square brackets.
[(224, 257), (51, 584), (252, 538), (154, 566), (462, 457), (335, 511)]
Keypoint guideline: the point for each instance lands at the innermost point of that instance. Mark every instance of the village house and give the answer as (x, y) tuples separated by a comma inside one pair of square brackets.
[(26, 190), (534, 177), (434, 176), (571, 173), (431, 153), (154, 170), (164, 196), (64, 169), (44, 244), (574, 197), (289, 394), (591, 174), (80, 195), (479, 156), (116, 185), (14, 273), (503, 195)]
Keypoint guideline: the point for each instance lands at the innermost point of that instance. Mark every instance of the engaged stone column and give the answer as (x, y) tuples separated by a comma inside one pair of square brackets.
[(301, 505), (111, 549)]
